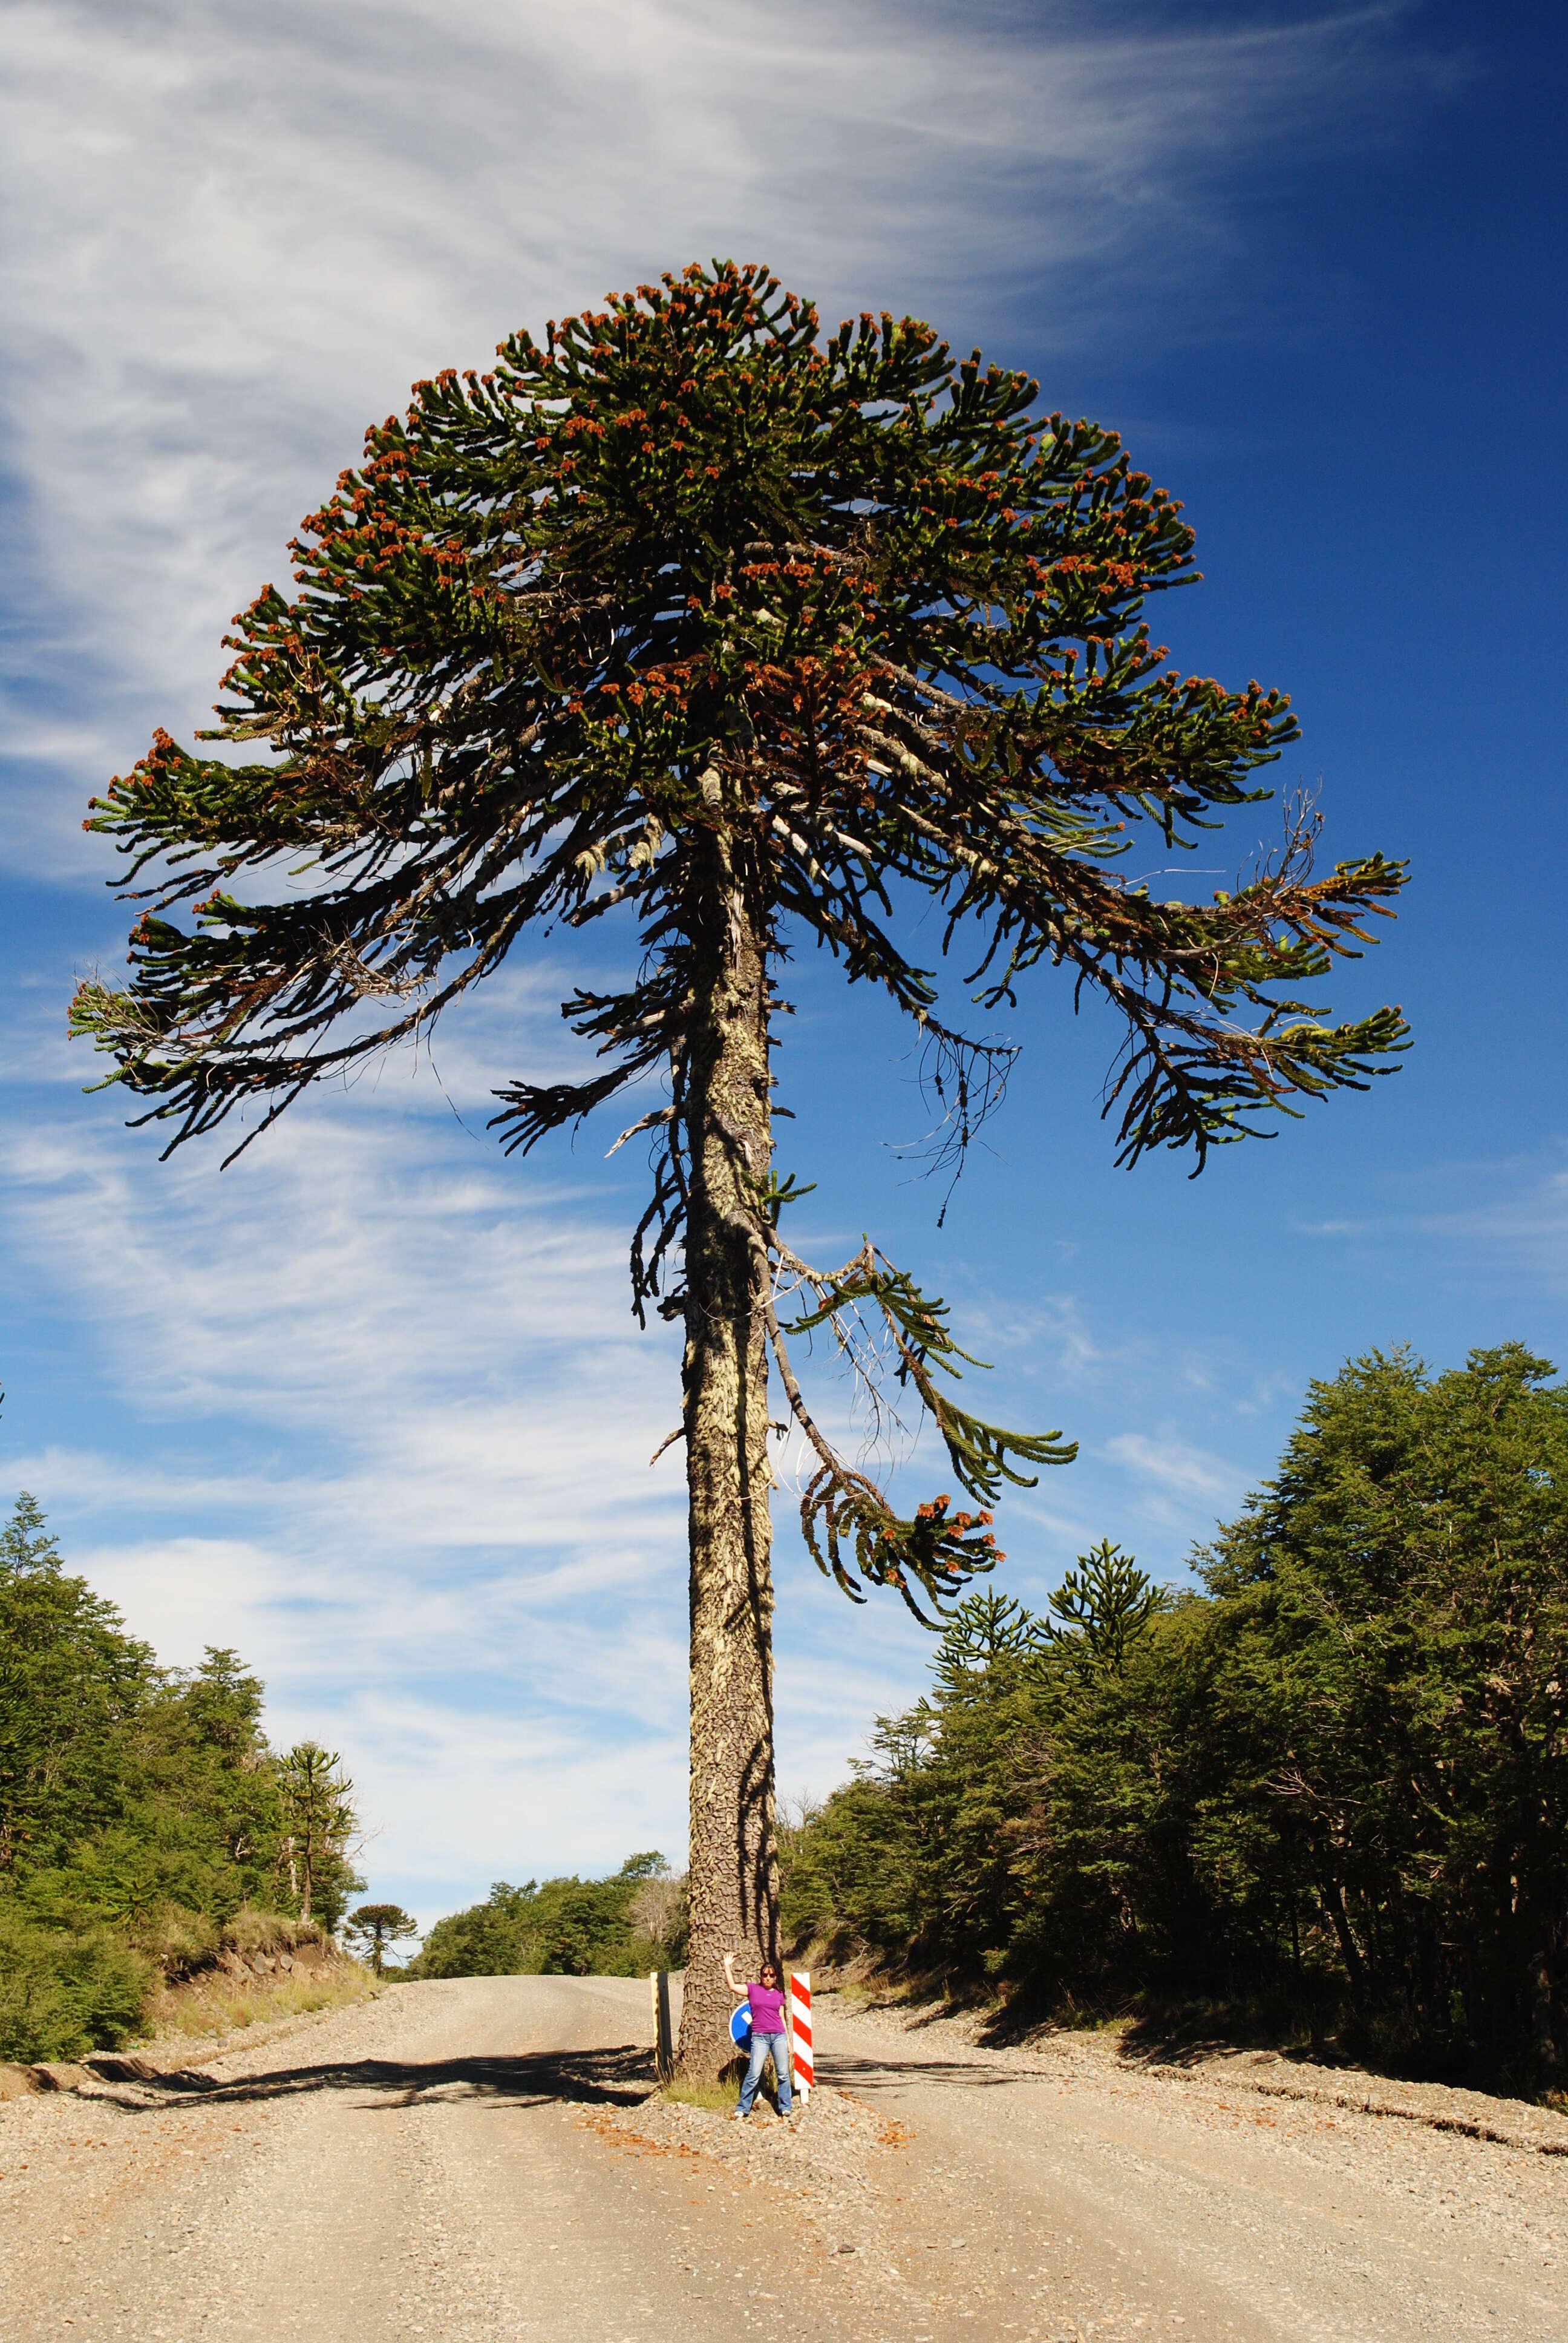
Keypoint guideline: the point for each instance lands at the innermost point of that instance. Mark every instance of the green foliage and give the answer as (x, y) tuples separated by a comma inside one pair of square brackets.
[(1399, 1661), (987, 1631), (377, 1925), (317, 1823), (692, 589), (72, 1682), (66, 1990), (140, 1807), (27, 1548), (1338, 1778), (485, 1940), (565, 1927), (939, 1550), (1104, 1603)]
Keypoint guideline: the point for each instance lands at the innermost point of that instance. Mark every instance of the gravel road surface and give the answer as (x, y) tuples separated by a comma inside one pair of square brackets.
[(480, 2159)]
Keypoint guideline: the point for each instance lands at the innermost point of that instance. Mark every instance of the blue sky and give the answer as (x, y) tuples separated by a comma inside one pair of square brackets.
[(371, 1406)]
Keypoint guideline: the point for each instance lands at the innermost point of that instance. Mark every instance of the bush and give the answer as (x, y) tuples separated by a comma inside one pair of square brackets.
[(65, 1990), (253, 1931)]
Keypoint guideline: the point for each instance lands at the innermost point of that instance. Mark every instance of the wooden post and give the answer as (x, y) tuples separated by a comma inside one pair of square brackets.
[(663, 2037)]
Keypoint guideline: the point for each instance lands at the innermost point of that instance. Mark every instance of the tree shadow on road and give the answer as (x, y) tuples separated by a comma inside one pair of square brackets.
[(847, 2072), (620, 2077)]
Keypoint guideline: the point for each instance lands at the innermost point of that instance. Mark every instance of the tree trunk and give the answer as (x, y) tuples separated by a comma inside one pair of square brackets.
[(734, 1865), (1538, 1965), (1333, 1904)]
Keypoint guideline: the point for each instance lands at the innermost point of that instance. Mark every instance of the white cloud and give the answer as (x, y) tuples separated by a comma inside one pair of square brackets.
[(1175, 1468), (1045, 1332), (460, 1333), (239, 233), (397, 1421), (491, 1722), (1510, 1220), (1500, 1223)]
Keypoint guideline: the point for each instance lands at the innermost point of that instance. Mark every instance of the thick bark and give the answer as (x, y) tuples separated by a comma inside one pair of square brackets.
[(734, 1869)]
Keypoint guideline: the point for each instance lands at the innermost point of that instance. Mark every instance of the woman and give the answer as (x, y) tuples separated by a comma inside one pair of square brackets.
[(765, 1999)]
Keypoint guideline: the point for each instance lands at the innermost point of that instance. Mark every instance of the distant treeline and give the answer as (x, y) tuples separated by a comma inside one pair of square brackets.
[(621, 1926), (141, 1810), (1327, 1795)]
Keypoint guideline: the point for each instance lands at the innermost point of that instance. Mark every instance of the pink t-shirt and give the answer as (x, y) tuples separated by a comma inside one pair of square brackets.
[(766, 2003)]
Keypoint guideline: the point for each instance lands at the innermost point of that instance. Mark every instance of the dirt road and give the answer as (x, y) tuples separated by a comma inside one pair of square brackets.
[(475, 2160)]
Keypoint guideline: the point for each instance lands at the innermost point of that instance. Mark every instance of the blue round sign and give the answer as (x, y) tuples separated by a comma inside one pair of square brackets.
[(740, 2024)]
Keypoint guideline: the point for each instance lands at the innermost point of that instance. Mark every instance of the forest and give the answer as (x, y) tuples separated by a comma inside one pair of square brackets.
[(145, 1822), (621, 1926), (1322, 1795)]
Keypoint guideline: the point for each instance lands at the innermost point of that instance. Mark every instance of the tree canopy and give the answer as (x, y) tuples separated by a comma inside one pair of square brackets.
[(687, 570), (1330, 1792), (564, 1927)]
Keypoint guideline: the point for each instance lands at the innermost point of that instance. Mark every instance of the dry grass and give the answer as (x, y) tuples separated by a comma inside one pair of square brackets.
[(217, 2002), (717, 2097), (250, 1931)]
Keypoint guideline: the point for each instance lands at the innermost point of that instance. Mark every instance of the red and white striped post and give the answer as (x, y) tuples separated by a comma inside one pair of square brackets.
[(801, 2032)]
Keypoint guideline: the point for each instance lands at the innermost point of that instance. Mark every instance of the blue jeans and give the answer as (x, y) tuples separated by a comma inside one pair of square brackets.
[(761, 2044)]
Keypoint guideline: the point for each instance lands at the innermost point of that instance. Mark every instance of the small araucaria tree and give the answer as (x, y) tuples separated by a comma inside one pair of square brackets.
[(693, 618), (377, 1926), (316, 1800)]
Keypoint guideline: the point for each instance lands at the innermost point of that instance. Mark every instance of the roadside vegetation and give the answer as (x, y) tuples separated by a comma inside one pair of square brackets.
[(298, 1970), (717, 2099), (149, 1835), (621, 1926), (1321, 1798)]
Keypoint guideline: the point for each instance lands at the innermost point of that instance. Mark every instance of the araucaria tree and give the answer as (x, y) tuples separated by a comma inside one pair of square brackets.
[(377, 1926), (694, 619), (319, 1822)]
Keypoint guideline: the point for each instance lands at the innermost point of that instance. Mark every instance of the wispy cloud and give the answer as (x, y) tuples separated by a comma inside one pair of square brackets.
[(1175, 1468), (240, 232), (1509, 1219), (359, 1263), (1499, 1223)]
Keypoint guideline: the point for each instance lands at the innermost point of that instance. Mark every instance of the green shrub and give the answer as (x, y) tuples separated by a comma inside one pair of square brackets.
[(65, 1990)]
